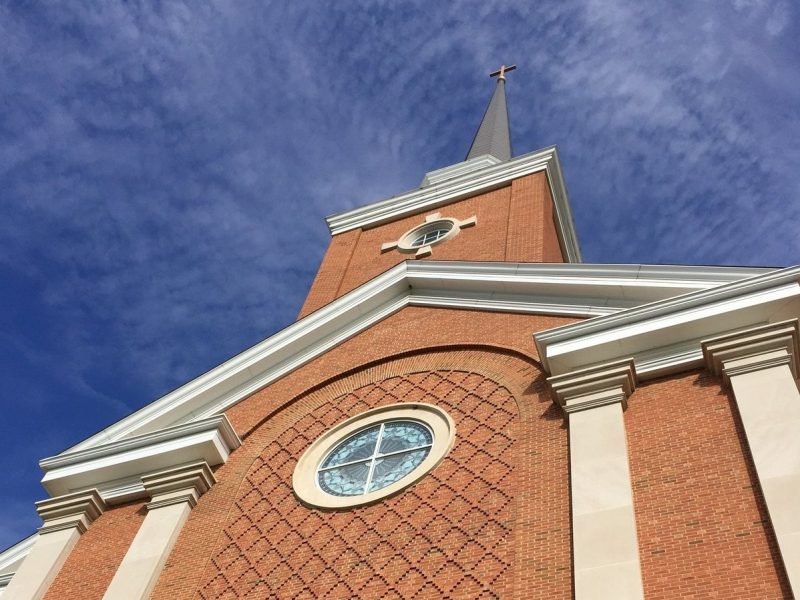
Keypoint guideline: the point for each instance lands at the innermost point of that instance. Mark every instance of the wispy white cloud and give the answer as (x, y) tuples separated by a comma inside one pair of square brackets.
[(165, 167)]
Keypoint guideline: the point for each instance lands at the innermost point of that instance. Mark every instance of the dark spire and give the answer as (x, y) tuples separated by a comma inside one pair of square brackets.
[(493, 135)]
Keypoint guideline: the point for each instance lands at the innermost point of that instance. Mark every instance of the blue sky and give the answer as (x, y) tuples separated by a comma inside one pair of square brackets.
[(165, 167)]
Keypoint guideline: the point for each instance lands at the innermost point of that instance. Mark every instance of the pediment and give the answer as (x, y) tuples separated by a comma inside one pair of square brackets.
[(578, 290)]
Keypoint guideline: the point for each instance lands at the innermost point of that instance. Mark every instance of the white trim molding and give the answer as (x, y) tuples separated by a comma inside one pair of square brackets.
[(305, 477), (116, 468), (5, 579), (439, 176), (439, 192), (578, 290), (12, 557), (665, 337)]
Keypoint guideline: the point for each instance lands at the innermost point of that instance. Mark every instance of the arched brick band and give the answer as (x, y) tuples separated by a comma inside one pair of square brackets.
[(540, 482)]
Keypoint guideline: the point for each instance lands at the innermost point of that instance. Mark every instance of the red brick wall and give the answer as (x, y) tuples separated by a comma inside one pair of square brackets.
[(531, 235), (515, 223), (493, 518), (551, 249), (409, 330), (93, 561), (702, 524), (329, 276)]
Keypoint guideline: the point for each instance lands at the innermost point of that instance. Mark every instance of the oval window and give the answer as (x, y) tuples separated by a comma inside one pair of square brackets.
[(373, 455)]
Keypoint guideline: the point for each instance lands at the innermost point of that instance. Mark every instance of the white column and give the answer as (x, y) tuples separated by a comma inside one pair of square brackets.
[(604, 542), (65, 519), (173, 494), (761, 366)]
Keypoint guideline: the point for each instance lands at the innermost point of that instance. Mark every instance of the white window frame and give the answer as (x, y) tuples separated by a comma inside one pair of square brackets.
[(304, 479)]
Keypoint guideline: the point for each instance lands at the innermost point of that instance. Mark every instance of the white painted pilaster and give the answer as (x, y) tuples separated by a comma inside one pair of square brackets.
[(761, 366), (605, 546), (65, 519), (173, 495)]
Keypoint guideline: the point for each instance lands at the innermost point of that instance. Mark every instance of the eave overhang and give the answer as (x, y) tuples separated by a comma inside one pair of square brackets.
[(557, 289), (439, 193), (115, 469), (665, 337)]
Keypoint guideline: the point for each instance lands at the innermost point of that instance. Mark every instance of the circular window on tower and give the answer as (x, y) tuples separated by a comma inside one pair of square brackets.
[(428, 234), (434, 230), (373, 455)]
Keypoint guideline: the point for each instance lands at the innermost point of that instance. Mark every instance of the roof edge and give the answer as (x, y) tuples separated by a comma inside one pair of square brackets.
[(467, 185), (566, 289), (665, 336)]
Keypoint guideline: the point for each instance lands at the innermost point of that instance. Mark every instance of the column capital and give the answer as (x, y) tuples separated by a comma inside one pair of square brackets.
[(70, 510), (599, 385), (753, 349), (180, 484)]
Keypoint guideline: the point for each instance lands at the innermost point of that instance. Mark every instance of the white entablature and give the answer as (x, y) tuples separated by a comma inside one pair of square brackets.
[(558, 289), (439, 189)]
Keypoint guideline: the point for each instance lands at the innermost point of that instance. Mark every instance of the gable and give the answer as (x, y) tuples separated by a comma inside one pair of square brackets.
[(569, 290)]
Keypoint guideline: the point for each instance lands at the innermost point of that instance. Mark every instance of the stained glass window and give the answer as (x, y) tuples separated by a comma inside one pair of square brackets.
[(374, 458)]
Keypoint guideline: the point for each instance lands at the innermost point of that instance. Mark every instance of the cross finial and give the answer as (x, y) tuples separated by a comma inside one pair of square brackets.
[(501, 72)]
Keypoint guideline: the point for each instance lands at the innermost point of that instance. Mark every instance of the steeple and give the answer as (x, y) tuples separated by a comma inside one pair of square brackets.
[(494, 137)]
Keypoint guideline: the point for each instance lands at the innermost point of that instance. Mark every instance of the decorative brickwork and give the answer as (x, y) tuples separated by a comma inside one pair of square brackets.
[(704, 531), (510, 504), (449, 535), (405, 331)]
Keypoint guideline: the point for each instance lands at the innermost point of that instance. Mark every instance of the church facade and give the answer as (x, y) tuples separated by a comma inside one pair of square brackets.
[(463, 409)]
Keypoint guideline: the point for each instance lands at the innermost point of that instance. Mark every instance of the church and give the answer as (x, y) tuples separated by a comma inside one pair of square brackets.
[(462, 409)]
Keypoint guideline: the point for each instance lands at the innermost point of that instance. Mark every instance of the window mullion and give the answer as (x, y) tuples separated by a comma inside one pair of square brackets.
[(405, 450), (352, 462), (374, 455)]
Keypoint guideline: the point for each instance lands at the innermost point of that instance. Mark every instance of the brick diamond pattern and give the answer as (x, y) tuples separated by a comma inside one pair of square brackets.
[(447, 536)]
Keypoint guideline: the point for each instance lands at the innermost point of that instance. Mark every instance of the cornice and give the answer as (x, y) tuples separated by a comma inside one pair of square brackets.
[(439, 193), (754, 349), (565, 289), (665, 336), (760, 281), (594, 386), (439, 176), (5, 579), (116, 468), (181, 484), (11, 557)]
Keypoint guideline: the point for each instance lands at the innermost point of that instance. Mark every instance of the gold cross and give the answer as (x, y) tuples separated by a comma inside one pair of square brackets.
[(501, 73)]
